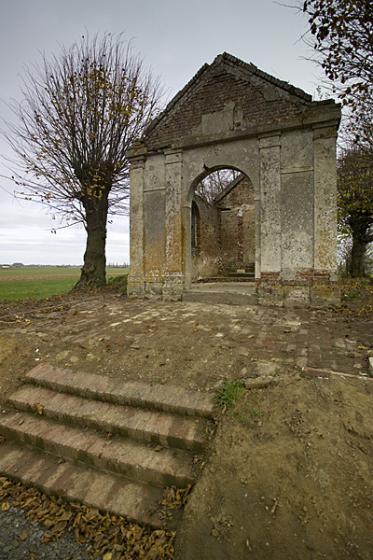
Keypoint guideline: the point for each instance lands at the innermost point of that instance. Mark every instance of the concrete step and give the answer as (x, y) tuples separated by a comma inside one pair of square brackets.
[(141, 463), (229, 278), (100, 387), (149, 426), (220, 297), (241, 276), (102, 490)]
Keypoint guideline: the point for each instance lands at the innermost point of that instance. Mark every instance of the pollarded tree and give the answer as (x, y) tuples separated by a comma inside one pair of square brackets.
[(79, 114), (355, 204)]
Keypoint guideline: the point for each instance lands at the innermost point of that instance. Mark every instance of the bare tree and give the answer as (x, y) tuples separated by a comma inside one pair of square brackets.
[(342, 38), (343, 34), (79, 114), (215, 183)]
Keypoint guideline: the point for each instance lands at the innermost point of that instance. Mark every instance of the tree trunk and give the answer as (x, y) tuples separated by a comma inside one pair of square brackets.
[(93, 272), (357, 256)]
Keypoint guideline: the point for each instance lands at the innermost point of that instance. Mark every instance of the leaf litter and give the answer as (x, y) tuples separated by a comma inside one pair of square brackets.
[(109, 536)]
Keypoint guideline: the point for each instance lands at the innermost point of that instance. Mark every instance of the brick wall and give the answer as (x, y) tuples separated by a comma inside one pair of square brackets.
[(225, 232), (212, 94), (237, 226), (206, 252)]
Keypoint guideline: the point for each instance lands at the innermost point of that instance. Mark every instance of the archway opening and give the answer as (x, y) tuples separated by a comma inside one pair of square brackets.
[(223, 227)]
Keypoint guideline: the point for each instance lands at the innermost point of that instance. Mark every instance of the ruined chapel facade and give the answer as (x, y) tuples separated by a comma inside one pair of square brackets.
[(231, 115)]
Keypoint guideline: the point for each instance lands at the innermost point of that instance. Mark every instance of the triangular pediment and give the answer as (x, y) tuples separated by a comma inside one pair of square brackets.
[(225, 96)]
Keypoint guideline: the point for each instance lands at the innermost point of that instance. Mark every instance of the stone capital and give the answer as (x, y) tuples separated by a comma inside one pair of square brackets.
[(272, 141), (324, 132), (138, 162), (136, 150), (173, 156)]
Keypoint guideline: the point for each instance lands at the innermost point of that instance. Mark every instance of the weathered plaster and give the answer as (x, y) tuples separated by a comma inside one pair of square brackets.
[(296, 234), (325, 195), (136, 277), (174, 280), (270, 204)]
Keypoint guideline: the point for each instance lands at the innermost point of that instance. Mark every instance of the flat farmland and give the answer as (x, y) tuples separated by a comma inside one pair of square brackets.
[(29, 282)]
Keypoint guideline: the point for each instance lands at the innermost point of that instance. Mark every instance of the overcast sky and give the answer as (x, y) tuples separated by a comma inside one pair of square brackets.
[(175, 37)]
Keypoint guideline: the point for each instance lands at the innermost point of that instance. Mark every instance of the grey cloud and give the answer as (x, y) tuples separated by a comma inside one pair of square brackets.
[(174, 37)]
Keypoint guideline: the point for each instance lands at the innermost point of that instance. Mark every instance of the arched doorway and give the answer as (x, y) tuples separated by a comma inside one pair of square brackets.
[(222, 241)]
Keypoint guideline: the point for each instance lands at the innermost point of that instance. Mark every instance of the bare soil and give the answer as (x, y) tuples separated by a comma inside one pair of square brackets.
[(288, 473), (289, 477)]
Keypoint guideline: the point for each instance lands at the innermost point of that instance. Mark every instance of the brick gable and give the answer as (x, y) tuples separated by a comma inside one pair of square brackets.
[(254, 99)]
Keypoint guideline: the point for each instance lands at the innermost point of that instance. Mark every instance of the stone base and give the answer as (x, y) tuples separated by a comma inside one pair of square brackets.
[(269, 291), (173, 287), (324, 294), (169, 288), (135, 286), (298, 294)]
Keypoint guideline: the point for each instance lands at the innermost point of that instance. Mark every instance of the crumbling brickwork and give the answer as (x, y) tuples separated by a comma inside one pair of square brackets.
[(219, 89)]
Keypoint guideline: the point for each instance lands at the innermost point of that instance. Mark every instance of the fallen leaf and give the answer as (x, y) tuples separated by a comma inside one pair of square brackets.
[(39, 409)]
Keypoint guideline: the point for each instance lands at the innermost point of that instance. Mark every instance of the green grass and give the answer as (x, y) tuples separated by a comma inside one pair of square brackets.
[(230, 393), (17, 284)]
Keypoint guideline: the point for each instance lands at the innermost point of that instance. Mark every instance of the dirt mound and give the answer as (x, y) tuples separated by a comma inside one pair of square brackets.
[(288, 477)]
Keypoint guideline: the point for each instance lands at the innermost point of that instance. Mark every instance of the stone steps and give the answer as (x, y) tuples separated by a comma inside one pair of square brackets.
[(101, 387), (231, 277), (80, 483), (228, 293), (163, 467), (133, 438), (217, 298), (143, 425), (241, 276)]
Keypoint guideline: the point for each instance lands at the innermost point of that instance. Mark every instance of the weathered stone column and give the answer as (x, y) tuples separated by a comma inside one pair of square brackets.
[(325, 181), (270, 220), (136, 276), (324, 289), (187, 241), (257, 203), (270, 211), (174, 279)]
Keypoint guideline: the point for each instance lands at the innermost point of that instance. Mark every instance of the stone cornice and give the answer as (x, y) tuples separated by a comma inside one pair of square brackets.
[(326, 116)]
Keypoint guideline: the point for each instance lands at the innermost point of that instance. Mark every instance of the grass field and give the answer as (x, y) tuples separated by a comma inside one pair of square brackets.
[(41, 282)]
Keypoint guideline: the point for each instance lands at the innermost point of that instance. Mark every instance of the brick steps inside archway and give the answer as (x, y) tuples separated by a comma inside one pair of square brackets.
[(103, 442)]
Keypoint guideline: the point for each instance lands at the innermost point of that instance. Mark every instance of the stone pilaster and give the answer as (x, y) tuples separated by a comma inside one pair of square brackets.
[(325, 193), (174, 278), (136, 276), (270, 204), (268, 286), (324, 288)]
